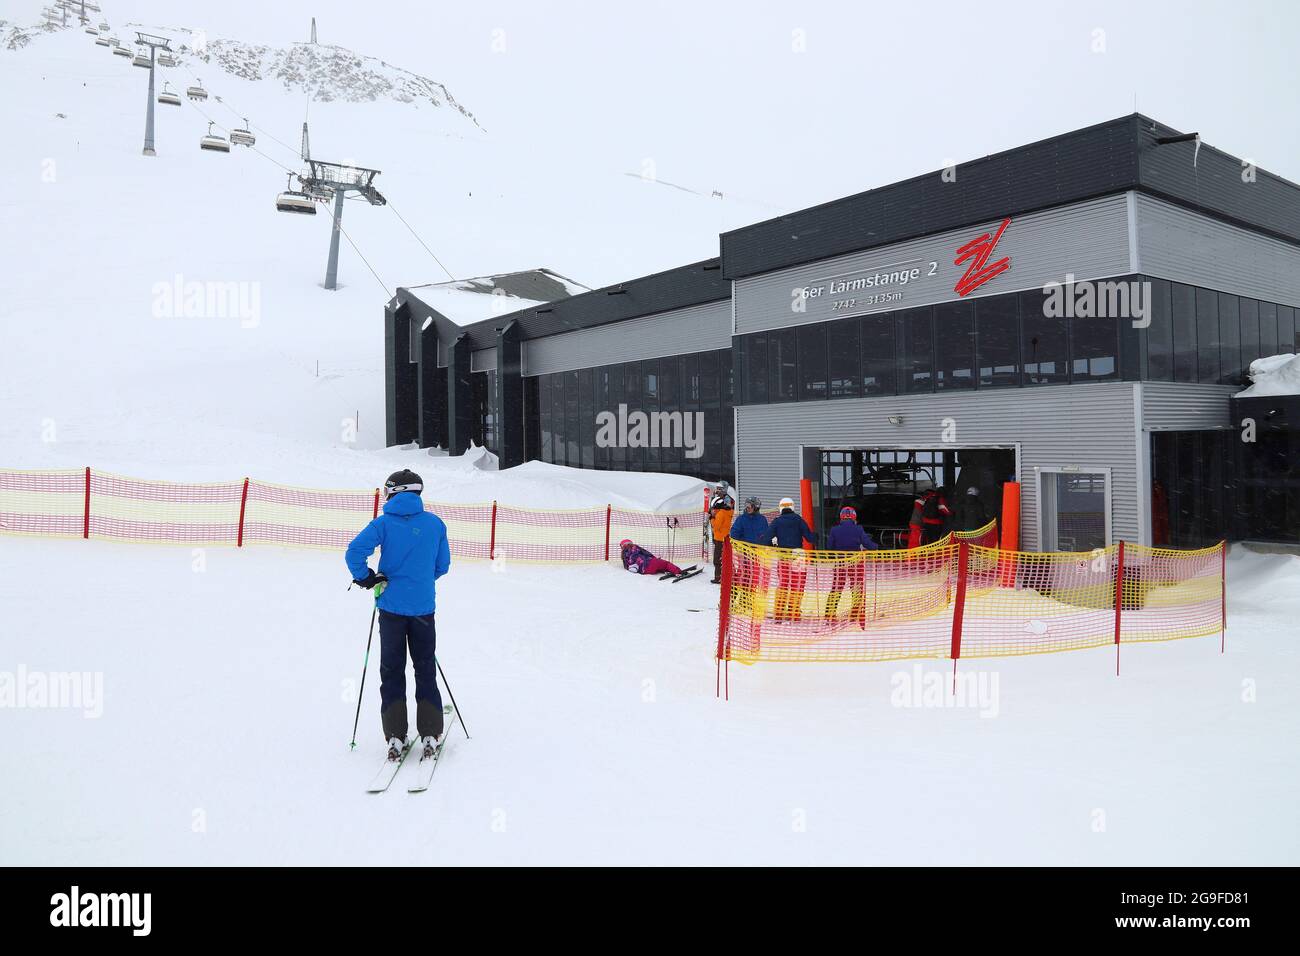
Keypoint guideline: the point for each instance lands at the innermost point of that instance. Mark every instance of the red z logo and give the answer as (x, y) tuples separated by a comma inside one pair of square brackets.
[(979, 250)]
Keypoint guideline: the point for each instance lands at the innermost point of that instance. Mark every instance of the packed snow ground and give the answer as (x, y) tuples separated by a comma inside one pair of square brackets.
[(227, 711)]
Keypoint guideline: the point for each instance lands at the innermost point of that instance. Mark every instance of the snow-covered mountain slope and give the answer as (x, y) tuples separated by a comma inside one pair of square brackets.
[(159, 317)]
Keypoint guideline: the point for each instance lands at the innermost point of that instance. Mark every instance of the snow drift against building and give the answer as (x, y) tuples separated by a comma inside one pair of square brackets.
[(1273, 375)]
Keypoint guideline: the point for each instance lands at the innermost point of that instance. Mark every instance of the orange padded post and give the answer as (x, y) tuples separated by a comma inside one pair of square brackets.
[(1010, 533), (806, 503)]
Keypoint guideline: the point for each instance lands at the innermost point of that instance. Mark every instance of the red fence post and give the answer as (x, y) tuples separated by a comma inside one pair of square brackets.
[(806, 504), (376, 513), (959, 606), (724, 613), (608, 511), (243, 504), (492, 536), (85, 521), (1119, 599)]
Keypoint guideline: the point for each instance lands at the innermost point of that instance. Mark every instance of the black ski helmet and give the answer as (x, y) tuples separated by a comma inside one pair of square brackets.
[(404, 480)]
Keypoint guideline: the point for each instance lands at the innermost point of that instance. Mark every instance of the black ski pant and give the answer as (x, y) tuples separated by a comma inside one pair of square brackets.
[(396, 633)]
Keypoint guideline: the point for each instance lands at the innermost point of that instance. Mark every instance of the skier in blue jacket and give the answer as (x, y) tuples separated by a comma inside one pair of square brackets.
[(750, 525), (788, 530), (413, 555)]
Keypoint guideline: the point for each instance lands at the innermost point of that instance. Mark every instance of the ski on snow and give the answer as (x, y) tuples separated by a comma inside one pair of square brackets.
[(387, 772), (686, 574), (427, 765), (668, 574)]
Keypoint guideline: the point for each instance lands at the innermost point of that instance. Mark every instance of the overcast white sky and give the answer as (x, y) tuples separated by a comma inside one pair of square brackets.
[(718, 96)]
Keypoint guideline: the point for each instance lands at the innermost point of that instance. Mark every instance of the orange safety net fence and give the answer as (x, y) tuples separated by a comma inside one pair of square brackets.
[(92, 504), (960, 597)]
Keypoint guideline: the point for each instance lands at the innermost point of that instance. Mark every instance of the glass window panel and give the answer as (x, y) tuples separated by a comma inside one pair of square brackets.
[(709, 383), (1268, 329), (756, 369), (1229, 338), (587, 417), (782, 365), (572, 454), (1094, 343), (954, 325), (879, 362), (544, 415), (1249, 331), (1286, 330), (726, 377), (997, 320), (1184, 321), (844, 349), (812, 364), (1044, 341), (670, 375), (916, 349), (650, 379), (1160, 333), (1208, 367), (617, 453), (691, 379)]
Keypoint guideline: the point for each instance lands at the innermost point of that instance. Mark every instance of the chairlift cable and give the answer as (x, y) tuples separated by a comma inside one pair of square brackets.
[(421, 242)]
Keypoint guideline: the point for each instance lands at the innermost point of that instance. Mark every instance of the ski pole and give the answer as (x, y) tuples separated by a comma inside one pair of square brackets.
[(364, 667), (454, 705)]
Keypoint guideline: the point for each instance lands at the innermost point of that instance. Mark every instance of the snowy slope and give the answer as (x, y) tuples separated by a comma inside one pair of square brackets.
[(101, 359), (229, 694)]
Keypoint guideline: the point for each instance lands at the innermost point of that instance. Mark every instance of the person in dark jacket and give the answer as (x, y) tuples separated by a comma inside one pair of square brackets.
[(750, 525), (413, 555), (934, 514), (788, 530), (971, 514), (848, 535)]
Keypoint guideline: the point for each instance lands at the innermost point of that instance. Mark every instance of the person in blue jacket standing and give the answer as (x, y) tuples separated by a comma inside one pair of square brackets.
[(788, 530), (848, 535), (750, 525), (413, 555)]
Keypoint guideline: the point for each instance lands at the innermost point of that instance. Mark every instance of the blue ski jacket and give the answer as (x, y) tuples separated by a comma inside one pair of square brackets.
[(849, 536), (413, 554), (751, 528), (790, 531)]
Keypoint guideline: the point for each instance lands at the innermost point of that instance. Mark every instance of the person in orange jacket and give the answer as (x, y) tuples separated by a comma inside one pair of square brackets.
[(721, 508)]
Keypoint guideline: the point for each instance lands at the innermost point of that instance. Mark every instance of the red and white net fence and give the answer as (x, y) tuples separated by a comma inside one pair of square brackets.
[(84, 503)]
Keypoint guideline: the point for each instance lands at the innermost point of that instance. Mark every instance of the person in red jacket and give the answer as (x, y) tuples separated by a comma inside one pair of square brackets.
[(934, 515)]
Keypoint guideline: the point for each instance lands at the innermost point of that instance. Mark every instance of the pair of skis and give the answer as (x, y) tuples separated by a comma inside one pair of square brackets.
[(423, 769), (685, 573)]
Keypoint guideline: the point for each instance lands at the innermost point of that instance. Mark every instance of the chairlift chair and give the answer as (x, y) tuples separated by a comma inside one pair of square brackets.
[(113, 42), (141, 59), (214, 142), (122, 51), (168, 97), (295, 201), (242, 137), (101, 41), (92, 31), (103, 28), (166, 59), (197, 92)]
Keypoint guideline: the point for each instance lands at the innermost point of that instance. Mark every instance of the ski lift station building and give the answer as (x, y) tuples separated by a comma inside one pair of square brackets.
[(1073, 314)]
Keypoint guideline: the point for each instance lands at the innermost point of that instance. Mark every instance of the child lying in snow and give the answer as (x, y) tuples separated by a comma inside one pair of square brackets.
[(640, 561)]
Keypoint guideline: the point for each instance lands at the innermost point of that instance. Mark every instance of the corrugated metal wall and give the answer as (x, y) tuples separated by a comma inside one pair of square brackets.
[(483, 360), (1177, 405), (1175, 243), (1068, 425), (699, 328), (1088, 239)]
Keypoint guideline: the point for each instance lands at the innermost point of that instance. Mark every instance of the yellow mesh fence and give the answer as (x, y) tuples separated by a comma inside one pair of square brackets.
[(957, 598)]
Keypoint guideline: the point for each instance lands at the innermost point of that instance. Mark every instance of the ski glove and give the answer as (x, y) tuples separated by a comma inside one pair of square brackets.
[(370, 580)]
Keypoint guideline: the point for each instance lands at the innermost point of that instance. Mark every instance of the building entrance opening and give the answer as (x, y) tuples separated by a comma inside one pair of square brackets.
[(882, 485)]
